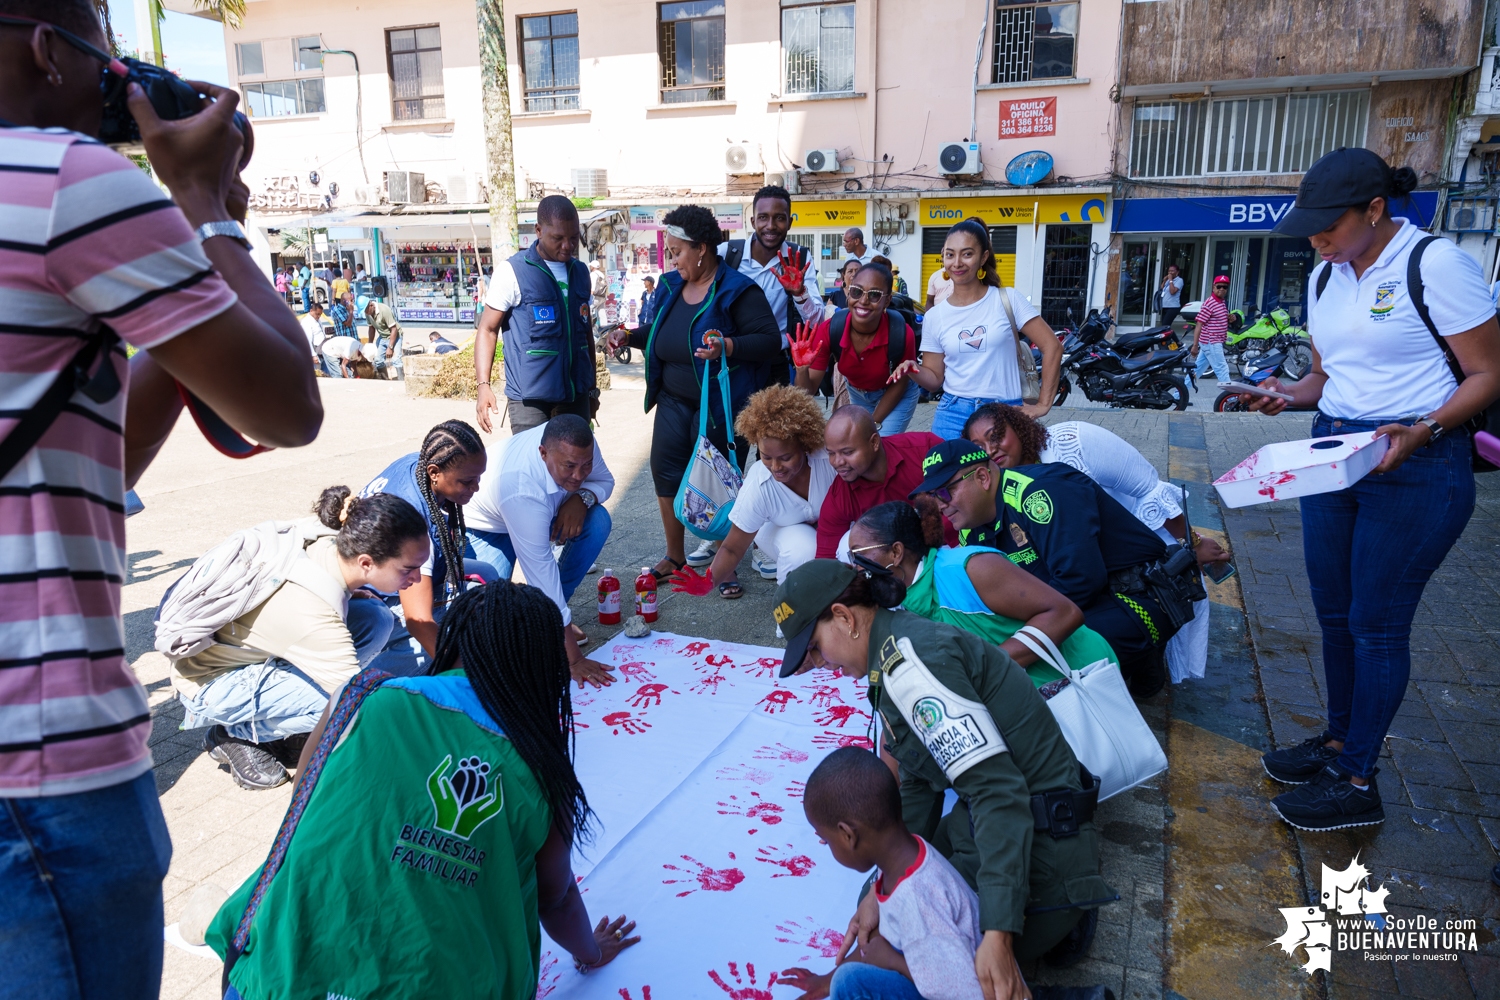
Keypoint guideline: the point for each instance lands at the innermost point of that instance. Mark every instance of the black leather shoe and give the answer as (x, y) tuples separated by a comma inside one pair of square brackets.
[(1075, 944), (250, 765), (1330, 801), (1294, 765), (1071, 993), (287, 750)]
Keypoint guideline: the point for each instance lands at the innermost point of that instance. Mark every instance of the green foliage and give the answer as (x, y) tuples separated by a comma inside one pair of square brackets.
[(456, 379), (583, 203)]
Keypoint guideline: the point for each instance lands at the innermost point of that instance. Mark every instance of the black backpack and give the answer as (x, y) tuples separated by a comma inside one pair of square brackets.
[(895, 341), (1485, 420)]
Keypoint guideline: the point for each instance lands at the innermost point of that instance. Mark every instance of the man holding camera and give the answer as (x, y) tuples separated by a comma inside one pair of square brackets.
[(95, 255)]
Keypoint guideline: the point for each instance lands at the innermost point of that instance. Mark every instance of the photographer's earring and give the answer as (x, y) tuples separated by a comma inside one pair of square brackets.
[(55, 78)]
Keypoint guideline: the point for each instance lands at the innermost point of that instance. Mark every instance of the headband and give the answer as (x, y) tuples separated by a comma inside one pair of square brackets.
[(344, 513), (679, 232)]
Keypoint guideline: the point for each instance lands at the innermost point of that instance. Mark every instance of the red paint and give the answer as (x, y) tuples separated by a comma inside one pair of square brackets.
[(547, 979), (645, 594), (823, 695), (648, 693), (782, 752), (693, 648), (636, 671), (708, 685), (609, 598), (645, 993), (837, 715), (741, 991), (714, 660), (766, 666), (627, 722), (767, 812), (711, 879), (777, 701), (741, 772), (831, 739), (824, 940), (797, 865), (796, 790)]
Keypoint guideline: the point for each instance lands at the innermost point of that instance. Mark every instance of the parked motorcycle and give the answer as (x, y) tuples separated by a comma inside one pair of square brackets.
[(622, 353), (1270, 332), (1144, 382), (1254, 373)]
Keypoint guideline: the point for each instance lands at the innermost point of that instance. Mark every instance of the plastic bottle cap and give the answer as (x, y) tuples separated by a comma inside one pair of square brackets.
[(645, 569)]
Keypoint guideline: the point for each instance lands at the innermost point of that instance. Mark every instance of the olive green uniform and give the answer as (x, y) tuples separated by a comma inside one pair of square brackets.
[(1029, 883)]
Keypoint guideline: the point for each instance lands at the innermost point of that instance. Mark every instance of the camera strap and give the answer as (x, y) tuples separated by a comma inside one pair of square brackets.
[(228, 441), (101, 387)]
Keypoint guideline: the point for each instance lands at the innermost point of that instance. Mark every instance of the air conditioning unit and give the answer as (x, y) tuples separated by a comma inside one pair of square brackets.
[(743, 158), (590, 182), (1471, 215), (465, 189), (960, 158), (367, 194), (405, 187), (821, 161)]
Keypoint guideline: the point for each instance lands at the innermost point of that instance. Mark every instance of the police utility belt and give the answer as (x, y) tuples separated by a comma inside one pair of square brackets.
[(959, 733), (1173, 584)]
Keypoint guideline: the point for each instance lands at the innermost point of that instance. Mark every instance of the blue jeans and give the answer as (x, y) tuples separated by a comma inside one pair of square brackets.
[(403, 655), (272, 700), (858, 981), (305, 304), (1212, 356), (80, 894), (572, 566), (1370, 550), (897, 420), (953, 411)]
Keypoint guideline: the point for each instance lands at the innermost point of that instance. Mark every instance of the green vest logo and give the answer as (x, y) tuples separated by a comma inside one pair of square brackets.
[(1038, 507), (927, 714), (465, 801)]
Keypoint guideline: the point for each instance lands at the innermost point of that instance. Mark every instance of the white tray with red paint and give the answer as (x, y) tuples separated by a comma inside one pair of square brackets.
[(1289, 469)]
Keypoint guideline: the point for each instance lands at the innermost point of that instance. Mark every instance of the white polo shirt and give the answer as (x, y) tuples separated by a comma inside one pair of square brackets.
[(762, 500), (1379, 356), (519, 497)]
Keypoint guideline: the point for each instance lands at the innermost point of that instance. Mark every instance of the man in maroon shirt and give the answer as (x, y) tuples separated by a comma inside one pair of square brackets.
[(872, 470)]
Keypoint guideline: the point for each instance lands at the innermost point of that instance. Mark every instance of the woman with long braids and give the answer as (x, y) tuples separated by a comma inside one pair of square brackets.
[(430, 874), (438, 479)]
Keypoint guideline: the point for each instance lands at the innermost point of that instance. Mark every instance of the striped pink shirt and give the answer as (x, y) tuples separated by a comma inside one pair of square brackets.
[(1213, 321), (85, 238)]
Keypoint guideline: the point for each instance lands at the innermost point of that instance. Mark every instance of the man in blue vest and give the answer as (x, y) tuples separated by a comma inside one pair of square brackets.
[(540, 299)]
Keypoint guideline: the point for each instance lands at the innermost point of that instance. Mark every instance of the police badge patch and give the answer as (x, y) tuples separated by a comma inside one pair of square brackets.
[(1038, 507), (1018, 536)]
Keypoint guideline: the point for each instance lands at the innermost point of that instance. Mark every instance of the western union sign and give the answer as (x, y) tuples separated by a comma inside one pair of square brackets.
[(829, 214), (1013, 211)]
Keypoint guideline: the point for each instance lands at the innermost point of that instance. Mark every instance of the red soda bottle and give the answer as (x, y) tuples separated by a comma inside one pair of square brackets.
[(609, 598), (645, 594)]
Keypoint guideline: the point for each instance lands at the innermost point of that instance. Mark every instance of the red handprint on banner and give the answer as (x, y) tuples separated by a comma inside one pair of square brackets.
[(636, 672), (649, 694), (824, 940), (796, 790), (766, 666), (823, 696), (718, 660), (741, 991), (782, 752), (708, 685), (837, 715), (664, 643), (831, 739), (711, 879), (758, 808), (626, 721), (743, 772), (693, 649), (547, 980), (645, 993), (796, 865), (776, 701)]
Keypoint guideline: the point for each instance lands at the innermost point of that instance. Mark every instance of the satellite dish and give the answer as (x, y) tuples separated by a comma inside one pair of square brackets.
[(1029, 168)]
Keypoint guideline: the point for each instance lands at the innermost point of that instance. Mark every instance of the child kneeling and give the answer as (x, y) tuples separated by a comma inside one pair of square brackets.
[(929, 917)]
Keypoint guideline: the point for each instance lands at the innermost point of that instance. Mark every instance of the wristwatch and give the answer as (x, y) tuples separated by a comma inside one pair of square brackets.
[(223, 227), (1437, 429), (588, 498)]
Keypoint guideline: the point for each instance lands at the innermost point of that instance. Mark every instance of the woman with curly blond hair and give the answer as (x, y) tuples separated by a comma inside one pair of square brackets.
[(777, 507)]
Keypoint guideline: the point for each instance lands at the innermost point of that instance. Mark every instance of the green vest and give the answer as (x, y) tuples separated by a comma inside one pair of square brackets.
[(412, 872), (944, 593)]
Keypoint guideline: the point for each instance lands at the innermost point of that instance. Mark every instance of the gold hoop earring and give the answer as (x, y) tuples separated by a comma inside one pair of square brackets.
[(854, 635), (981, 274), (945, 275)]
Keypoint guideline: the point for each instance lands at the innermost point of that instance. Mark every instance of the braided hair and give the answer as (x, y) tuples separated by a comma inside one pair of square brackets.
[(444, 445), (508, 638)]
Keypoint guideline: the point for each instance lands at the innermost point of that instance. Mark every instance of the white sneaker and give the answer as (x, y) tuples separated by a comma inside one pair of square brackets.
[(763, 564), (703, 554), (779, 635)]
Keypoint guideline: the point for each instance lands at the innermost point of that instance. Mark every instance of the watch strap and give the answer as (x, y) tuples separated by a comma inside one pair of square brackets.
[(222, 227)]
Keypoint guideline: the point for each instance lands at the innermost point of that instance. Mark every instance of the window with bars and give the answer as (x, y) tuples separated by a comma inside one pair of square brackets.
[(1035, 41), (549, 61), (817, 43), (690, 38), (415, 62), (1249, 135)]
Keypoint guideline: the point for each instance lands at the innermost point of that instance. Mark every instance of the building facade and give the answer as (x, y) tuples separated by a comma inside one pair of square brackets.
[(897, 117), (1224, 106)]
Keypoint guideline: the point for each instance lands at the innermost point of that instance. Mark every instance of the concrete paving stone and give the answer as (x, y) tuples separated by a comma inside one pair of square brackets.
[(1447, 844), (1141, 985), (1431, 764), (1112, 944), (1089, 972), (1413, 726), (1445, 898), (1484, 973), (1425, 980), (1351, 972), (1474, 741)]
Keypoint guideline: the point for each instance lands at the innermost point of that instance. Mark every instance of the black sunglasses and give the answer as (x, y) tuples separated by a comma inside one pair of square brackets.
[(945, 491), (114, 70)]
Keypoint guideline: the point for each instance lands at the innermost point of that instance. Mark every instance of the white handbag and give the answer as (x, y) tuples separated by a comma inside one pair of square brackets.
[(1099, 719)]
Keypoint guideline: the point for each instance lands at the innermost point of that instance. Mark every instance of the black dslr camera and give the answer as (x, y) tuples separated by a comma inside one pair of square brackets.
[(172, 98)]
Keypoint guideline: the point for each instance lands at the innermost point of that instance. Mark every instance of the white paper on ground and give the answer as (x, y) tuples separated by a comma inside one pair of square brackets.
[(695, 761), (174, 937)]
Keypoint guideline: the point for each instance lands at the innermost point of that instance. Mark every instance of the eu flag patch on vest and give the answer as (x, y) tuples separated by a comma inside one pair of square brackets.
[(544, 314)]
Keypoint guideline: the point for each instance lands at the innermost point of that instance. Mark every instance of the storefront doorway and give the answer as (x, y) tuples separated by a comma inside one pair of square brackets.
[(1065, 275), (1143, 265)]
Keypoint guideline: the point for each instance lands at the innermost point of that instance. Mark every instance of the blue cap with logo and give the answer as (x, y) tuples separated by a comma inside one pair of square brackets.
[(945, 460), (1343, 179)]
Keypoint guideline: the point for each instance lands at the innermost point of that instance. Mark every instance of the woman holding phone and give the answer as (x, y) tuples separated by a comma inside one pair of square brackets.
[(1395, 317)]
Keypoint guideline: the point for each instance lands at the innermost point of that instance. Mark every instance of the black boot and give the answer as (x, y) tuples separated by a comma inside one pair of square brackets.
[(1075, 944)]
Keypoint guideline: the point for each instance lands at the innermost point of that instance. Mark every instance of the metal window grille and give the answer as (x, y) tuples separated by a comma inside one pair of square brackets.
[(1035, 41), (690, 39), (818, 47), (1065, 274), (1257, 135), (549, 61), (416, 67)]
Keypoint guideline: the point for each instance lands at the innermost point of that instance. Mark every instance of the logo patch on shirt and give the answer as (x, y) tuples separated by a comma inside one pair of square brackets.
[(1018, 536), (972, 339), (544, 314), (1038, 507), (462, 802), (947, 736), (890, 654), (1385, 300)]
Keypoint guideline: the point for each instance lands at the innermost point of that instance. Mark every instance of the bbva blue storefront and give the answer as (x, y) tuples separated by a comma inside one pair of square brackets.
[(1207, 236)]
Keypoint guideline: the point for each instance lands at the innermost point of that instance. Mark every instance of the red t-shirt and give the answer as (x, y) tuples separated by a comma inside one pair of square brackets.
[(867, 372), (847, 502)]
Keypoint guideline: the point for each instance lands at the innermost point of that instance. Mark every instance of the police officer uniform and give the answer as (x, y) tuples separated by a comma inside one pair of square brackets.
[(963, 715)]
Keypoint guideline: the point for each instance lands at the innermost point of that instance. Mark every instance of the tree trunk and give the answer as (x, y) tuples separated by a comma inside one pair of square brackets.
[(500, 176)]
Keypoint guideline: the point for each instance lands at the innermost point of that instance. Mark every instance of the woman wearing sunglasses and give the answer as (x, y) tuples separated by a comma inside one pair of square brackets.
[(868, 343)]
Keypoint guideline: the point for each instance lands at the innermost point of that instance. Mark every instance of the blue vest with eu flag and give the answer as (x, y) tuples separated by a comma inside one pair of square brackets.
[(710, 314), (548, 341)]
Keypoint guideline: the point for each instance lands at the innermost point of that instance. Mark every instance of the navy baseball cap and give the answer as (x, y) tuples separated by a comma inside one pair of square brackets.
[(807, 592), (1343, 179), (945, 460)]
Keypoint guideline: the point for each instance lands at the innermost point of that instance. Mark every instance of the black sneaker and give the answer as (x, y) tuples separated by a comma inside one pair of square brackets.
[(1294, 765), (1075, 944), (287, 750), (1330, 801), (249, 764)]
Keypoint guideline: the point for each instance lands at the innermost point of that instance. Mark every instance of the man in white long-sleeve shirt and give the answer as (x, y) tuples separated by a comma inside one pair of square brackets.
[(784, 271), (546, 487)]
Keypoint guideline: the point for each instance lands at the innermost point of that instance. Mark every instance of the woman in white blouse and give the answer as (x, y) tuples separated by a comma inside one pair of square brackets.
[(1012, 438)]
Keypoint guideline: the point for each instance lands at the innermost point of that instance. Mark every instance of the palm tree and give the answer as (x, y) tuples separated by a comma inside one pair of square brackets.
[(500, 176)]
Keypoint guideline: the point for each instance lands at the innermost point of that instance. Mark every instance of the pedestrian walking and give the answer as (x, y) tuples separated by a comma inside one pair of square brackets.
[(969, 342), (648, 305), (1404, 343), (1169, 299), (1211, 329), (305, 285), (854, 245), (708, 316)]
